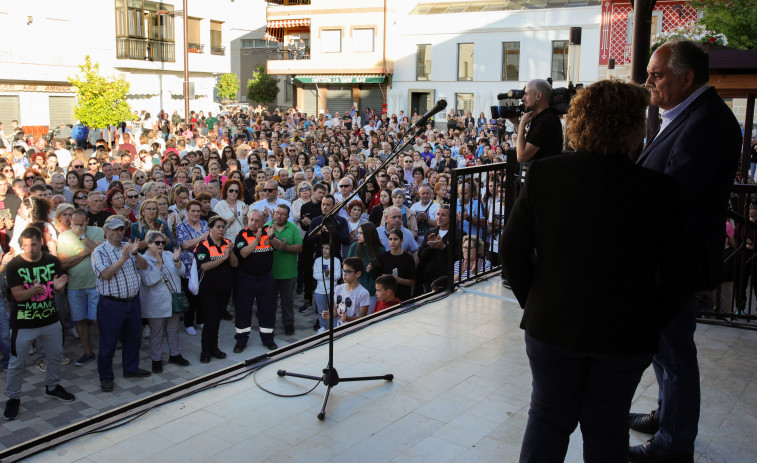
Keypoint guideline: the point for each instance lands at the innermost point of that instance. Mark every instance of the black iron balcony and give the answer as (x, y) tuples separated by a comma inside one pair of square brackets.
[(145, 49), (195, 47), (289, 2), (217, 50)]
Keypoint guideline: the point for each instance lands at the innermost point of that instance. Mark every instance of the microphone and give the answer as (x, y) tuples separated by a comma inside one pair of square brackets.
[(439, 106)]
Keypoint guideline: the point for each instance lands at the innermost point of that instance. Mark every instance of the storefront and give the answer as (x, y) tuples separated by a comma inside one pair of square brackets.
[(338, 92)]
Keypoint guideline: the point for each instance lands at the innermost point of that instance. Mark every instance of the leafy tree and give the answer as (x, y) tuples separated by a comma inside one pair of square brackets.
[(736, 19), (228, 86), (262, 88), (101, 100)]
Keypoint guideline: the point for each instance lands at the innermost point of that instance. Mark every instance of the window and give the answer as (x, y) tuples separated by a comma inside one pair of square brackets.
[(144, 30), (464, 102), (464, 61), (362, 40), (511, 61), (559, 59), (254, 43), (656, 25), (423, 62), (288, 89), (194, 44), (216, 39), (331, 41)]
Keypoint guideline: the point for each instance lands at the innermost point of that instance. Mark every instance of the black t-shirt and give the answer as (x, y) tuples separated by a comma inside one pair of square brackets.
[(40, 309), (546, 133), (310, 210), (260, 262), (97, 220), (221, 278), (404, 265)]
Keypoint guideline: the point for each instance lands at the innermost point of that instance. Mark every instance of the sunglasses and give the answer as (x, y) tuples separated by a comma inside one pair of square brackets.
[(237, 191), (268, 190), (7, 170), (163, 243), (133, 196), (343, 186), (78, 167), (79, 198), (184, 163), (91, 163), (31, 177)]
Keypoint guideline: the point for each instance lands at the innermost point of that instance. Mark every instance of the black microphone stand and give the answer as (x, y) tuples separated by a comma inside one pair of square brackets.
[(330, 376)]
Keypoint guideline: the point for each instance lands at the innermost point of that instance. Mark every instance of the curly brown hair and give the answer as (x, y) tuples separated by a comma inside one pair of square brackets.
[(608, 116)]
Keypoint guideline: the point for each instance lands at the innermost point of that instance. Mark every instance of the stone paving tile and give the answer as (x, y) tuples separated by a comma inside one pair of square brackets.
[(39, 415)]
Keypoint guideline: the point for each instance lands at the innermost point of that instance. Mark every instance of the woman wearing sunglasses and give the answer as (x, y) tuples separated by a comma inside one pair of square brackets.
[(232, 209), (8, 173)]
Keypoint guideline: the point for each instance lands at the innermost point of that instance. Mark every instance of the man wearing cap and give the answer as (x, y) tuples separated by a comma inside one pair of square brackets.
[(119, 313)]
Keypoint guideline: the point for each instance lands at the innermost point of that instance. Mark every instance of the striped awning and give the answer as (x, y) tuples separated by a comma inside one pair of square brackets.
[(288, 23)]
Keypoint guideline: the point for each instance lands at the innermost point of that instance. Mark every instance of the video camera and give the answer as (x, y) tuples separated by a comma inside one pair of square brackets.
[(560, 101)]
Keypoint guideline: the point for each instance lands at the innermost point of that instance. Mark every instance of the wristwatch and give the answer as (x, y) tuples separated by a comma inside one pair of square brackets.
[(83, 237)]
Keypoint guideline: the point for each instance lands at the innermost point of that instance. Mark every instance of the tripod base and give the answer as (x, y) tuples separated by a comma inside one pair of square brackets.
[(330, 379)]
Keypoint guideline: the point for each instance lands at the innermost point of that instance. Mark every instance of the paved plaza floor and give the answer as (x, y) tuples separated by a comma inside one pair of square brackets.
[(460, 393)]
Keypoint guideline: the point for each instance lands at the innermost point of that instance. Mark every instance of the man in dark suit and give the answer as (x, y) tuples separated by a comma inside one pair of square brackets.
[(602, 229), (435, 254), (698, 145)]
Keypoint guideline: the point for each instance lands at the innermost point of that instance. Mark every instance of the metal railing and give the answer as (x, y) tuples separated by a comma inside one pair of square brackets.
[(145, 49), (195, 47), (217, 50)]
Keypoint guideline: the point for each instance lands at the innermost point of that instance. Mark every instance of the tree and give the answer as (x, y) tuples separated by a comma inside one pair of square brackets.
[(262, 88), (228, 86), (736, 19), (101, 100)]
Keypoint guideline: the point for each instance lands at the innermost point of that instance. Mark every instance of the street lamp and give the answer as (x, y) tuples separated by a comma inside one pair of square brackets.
[(186, 61)]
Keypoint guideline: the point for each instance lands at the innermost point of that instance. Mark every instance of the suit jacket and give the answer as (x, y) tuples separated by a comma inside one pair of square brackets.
[(603, 231), (434, 263), (700, 149)]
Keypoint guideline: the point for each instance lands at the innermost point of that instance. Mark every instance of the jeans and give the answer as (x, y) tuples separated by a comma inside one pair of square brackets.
[(571, 387), (50, 339), (118, 320), (5, 334)]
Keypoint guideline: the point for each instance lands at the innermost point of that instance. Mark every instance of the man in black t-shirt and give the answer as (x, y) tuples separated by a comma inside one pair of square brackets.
[(543, 138), (33, 278), (308, 212), (96, 215)]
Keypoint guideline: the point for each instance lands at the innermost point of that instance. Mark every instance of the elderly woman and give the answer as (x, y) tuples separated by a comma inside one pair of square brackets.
[(599, 273), (148, 221), (162, 277), (188, 235), (473, 262)]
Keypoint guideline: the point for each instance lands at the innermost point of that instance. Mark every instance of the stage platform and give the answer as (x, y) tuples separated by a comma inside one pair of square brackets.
[(460, 393)]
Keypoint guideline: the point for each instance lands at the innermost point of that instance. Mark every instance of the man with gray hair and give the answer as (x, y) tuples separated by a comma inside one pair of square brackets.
[(539, 129), (58, 182)]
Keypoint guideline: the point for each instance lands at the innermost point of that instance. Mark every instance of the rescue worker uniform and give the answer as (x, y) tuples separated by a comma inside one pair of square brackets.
[(215, 290)]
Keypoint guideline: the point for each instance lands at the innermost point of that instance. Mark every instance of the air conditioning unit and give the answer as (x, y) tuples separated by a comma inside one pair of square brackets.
[(191, 86)]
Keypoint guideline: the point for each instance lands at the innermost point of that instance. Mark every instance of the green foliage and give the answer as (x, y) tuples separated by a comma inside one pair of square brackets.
[(101, 100), (228, 86), (736, 19), (262, 88)]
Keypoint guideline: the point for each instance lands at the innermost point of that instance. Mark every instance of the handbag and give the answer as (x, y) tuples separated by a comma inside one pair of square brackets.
[(179, 301), (194, 280)]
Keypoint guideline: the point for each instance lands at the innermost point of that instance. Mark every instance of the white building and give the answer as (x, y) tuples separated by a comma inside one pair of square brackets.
[(142, 41), (468, 52)]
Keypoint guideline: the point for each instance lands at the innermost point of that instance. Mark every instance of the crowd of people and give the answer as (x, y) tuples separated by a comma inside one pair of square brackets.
[(176, 226)]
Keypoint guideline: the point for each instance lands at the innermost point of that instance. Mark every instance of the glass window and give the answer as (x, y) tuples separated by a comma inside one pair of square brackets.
[(254, 43), (559, 60), (362, 40), (331, 41), (215, 34), (423, 62), (464, 61), (464, 102), (193, 31), (511, 61)]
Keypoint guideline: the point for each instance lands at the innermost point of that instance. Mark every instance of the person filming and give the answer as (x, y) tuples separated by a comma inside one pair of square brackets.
[(539, 129)]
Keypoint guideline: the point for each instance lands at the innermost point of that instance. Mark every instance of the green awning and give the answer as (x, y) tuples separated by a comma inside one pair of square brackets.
[(341, 79)]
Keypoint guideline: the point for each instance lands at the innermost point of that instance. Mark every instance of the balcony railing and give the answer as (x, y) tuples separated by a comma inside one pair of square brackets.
[(195, 47), (145, 49), (216, 50), (289, 2)]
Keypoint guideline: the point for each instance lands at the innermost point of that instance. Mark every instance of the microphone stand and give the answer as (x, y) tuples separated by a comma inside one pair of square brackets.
[(330, 376)]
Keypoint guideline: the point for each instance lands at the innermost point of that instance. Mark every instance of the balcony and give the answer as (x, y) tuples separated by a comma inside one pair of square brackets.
[(195, 47), (217, 50), (145, 49), (289, 2)]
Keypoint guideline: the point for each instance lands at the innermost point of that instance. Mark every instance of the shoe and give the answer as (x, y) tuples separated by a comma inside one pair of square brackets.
[(305, 308), (59, 393), (316, 325), (157, 366), (227, 316), (178, 360), (650, 452), (321, 329), (42, 365), (218, 353), (106, 385), (65, 360), (271, 346), (74, 332), (289, 330), (647, 423), (204, 357), (84, 359), (139, 373), (191, 330), (11, 409), (201, 325), (146, 332), (238, 349), (506, 284)]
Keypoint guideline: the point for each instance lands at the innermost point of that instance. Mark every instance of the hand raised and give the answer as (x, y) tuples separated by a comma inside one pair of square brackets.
[(177, 253), (59, 282)]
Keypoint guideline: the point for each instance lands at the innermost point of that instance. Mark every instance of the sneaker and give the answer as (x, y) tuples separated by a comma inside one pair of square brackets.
[(74, 332), (106, 385), (191, 330), (146, 332), (42, 365), (84, 359), (11, 409), (305, 307), (178, 360), (321, 329), (65, 360), (59, 393)]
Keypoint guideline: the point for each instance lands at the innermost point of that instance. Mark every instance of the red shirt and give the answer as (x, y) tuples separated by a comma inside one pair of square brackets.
[(381, 305)]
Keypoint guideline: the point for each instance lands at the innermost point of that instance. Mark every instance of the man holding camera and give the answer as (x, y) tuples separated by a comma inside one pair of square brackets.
[(544, 135)]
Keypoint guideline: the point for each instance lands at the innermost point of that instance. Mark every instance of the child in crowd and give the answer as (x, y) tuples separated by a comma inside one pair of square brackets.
[(322, 277), (386, 293), (350, 299)]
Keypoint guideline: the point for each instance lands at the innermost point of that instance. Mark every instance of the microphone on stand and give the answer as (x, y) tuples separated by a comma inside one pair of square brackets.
[(439, 106)]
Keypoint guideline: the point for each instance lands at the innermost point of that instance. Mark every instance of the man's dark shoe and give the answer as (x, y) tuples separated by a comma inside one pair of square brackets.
[(157, 366), (11, 409), (226, 315), (305, 307), (651, 452), (178, 360), (647, 423), (316, 325), (271, 346), (238, 349), (84, 359), (59, 393), (217, 353), (289, 330), (106, 385), (139, 373), (204, 357)]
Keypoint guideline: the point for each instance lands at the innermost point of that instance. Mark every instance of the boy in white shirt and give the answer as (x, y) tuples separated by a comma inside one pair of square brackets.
[(351, 300), (321, 275)]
